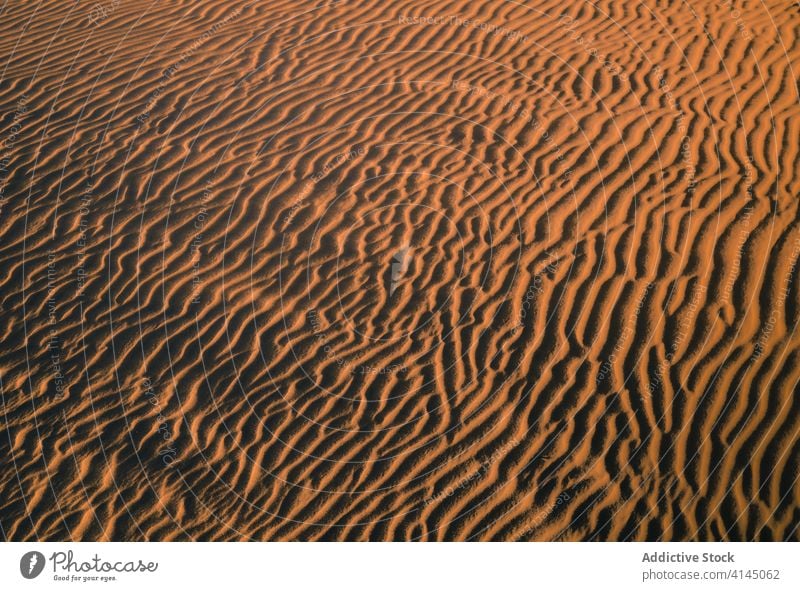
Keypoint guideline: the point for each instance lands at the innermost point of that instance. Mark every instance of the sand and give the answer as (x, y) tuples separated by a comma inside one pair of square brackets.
[(440, 270)]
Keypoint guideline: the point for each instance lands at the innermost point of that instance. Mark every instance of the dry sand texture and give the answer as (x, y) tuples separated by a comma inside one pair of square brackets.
[(446, 270)]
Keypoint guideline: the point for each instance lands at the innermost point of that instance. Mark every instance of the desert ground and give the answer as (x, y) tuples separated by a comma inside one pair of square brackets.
[(441, 271)]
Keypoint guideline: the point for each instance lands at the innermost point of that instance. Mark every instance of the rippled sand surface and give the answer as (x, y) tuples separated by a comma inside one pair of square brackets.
[(443, 270)]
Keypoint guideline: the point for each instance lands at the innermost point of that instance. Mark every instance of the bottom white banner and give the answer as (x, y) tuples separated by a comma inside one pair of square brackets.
[(400, 566)]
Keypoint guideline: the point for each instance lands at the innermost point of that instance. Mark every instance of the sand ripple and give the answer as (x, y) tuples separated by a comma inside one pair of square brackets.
[(427, 270)]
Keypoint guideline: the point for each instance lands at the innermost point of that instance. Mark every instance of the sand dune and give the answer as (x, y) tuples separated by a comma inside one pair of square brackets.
[(412, 271)]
